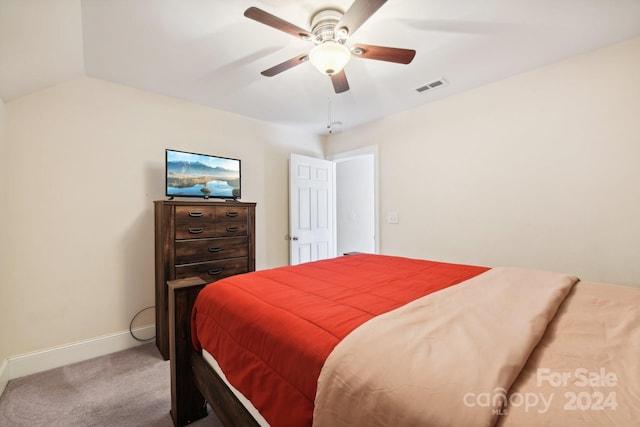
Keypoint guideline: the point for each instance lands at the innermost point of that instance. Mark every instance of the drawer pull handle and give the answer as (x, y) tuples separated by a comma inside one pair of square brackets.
[(214, 271), (195, 214), (232, 213), (232, 228), (215, 249), (198, 230)]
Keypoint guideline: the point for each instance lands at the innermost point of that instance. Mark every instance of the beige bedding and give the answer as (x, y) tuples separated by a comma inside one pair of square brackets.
[(587, 365), (450, 358)]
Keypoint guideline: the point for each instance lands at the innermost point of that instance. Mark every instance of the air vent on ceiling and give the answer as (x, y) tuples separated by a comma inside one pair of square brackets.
[(432, 85)]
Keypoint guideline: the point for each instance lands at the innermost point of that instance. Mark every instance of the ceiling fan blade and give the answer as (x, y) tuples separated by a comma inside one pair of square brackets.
[(339, 81), (285, 65), (357, 14), (381, 53), (279, 24)]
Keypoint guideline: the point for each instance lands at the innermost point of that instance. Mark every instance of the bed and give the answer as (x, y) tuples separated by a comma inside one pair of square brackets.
[(379, 340)]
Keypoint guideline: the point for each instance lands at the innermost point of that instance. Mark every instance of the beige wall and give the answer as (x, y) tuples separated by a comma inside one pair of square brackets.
[(86, 160), (539, 170)]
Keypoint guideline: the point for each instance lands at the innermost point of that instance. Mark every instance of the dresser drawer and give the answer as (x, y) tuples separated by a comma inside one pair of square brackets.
[(191, 251), (194, 222), (206, 230), (189, 214), (213, 270)]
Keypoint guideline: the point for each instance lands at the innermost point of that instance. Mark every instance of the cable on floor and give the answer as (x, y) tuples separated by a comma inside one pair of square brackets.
[(133, 320)]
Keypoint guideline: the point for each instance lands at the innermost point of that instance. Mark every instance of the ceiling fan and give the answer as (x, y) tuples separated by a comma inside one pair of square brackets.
[(330, 31)]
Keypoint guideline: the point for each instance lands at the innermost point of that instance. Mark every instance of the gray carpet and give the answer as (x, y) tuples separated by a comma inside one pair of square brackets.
[(128, 388)]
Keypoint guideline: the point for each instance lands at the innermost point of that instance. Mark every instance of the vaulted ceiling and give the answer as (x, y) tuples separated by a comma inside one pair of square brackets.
[(207, 52)]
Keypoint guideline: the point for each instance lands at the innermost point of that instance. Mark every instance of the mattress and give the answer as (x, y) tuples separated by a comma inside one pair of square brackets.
[(245, 402)]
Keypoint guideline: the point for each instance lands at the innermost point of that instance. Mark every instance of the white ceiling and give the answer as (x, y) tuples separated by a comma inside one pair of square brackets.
[(207, 52)]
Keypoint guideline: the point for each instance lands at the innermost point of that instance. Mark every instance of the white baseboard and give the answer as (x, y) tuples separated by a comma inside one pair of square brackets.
[(4, 375), (43, 360)]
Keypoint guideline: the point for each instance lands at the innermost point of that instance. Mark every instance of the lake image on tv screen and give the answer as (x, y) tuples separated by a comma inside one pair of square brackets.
[(202, 176)]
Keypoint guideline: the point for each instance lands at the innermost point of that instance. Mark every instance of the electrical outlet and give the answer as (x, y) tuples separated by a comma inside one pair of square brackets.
[(392, 217)]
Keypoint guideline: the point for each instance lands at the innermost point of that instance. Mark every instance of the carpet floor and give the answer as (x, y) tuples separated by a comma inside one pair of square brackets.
[(127, 388)]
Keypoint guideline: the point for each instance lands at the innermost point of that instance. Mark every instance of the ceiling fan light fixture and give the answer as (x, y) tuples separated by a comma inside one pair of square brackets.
[(329, 57)]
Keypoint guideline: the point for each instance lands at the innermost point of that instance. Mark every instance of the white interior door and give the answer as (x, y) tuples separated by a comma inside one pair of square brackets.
[(311, 209)]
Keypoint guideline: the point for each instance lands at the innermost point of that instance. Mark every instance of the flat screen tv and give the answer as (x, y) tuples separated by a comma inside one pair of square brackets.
[(202, 175)]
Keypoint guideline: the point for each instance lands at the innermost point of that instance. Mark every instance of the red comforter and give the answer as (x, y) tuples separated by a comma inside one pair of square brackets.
[(272, 330)]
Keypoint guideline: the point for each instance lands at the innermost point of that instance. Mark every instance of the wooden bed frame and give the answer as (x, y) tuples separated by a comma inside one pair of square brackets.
[(193, 382)]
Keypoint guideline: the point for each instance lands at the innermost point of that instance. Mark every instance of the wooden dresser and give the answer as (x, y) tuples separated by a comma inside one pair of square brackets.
[(210, 240)]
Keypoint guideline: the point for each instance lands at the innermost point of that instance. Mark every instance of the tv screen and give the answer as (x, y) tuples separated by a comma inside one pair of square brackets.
[(202, 175)]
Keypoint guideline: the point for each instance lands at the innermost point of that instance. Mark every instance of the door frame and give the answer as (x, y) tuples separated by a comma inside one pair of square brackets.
[(371, 150)]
